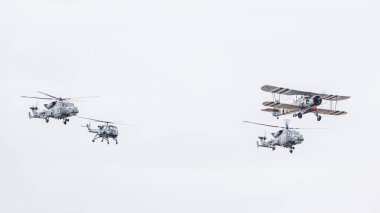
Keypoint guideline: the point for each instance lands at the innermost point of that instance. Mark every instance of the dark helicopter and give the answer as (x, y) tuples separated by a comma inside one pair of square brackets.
[(105, 132)]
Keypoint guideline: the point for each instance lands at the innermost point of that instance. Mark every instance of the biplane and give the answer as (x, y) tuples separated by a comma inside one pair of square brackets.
[(304, 102)]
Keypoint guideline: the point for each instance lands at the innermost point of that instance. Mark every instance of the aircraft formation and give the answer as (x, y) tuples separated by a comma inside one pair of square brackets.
[(303, 103), (287, 137), (63, 109)]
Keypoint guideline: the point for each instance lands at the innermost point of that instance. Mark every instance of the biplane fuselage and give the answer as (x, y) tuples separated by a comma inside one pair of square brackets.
[(309, 102)]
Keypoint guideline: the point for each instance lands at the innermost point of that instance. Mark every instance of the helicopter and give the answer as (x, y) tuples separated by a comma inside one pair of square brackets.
[(104, 131), (286, 137), (59, 108)]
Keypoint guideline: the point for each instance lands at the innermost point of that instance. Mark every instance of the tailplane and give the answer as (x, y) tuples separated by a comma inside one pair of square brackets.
[(34, 113)]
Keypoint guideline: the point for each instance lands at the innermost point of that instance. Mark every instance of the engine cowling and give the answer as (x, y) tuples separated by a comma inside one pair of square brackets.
[(50, 105), (317, 100)]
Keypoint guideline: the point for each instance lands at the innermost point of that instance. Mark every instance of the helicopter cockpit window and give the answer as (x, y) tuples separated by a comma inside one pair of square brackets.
[(113, 128), (69, 104), (293, 134)]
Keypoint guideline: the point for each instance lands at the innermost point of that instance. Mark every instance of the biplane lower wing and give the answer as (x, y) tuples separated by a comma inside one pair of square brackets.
[(331, 112), (286, 91), (288, 108), (281, 105), (279, 112), (267, 110)]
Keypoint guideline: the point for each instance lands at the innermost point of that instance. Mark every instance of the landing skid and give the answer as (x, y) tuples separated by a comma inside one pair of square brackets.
[(104, 138)]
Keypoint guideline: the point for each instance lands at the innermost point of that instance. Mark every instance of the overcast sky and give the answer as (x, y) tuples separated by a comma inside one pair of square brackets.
[(185, 74)]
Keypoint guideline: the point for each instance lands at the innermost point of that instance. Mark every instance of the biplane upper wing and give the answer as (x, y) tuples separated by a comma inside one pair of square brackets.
[(333, 97), (331, 112), (286, 91), (281, 105), (282, 91)]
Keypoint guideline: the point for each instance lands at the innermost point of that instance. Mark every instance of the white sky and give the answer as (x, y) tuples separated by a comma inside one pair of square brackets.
[(186, 74)]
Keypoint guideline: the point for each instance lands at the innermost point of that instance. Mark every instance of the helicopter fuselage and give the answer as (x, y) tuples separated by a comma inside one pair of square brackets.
[(104, 132), (56, 110), (286, 138), (108, 131)]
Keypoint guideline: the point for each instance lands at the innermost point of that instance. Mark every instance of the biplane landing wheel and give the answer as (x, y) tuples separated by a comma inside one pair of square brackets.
[(291, 151), (299, 115), (273, 148), (319, 118), (47, 120), (93, 140)]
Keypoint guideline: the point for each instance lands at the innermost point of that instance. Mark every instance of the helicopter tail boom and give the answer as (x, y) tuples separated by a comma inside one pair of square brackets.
[(88, 126), (269, 146), (34, 113)]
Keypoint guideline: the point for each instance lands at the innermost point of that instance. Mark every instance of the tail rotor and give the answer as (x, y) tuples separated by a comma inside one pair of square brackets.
[(262, 140), (86, 126)]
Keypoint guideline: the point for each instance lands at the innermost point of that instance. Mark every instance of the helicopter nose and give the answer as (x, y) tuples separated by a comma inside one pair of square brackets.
[(76, 111)]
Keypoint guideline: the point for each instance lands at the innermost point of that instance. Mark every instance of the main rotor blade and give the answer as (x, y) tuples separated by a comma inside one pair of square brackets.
[(47, 95), (250, 122), (107, 122), (36, 97), (95, 120), (121, 123), (84, 97), (309, 128)]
